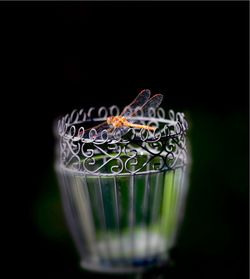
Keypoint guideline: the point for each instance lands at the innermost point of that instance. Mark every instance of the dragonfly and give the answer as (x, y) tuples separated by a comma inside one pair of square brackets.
[(142, 104)]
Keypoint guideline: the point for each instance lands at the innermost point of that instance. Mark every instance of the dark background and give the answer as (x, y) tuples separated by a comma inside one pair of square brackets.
[(60, 56)]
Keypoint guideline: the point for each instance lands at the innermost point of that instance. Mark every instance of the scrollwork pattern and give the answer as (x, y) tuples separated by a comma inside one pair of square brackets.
[(136, 152)]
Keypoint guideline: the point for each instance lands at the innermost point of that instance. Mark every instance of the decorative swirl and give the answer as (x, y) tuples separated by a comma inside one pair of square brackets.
[(144, 134), (151, 113), (111, 152), (154, 148), (114, 110), (74, 116), (171, 115), (161, 113), (87, 152), (89, 113), (131, 164), (72, 132), (103, 112), (157, 163), (116, 169)]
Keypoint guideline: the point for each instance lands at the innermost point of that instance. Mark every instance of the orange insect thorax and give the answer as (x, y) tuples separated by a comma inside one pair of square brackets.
[(117, 121)]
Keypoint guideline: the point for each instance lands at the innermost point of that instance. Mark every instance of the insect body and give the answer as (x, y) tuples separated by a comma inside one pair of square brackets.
[(141, 104), (121, 121)]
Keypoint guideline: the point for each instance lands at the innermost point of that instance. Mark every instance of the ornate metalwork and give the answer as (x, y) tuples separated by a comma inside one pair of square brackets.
[(89, 151)]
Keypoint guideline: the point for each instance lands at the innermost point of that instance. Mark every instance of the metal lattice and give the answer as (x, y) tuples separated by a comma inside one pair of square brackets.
[(123, 191)]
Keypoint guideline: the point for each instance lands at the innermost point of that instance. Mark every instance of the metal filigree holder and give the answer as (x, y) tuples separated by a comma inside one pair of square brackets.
[(123, 195)]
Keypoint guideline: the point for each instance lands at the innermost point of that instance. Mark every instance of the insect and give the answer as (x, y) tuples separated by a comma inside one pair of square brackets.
[(141, 104)]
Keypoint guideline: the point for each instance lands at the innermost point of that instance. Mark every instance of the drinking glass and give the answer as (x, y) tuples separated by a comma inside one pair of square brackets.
[(123, 196)]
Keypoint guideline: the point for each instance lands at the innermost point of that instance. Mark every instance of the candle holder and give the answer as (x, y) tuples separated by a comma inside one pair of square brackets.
[(123, 194)]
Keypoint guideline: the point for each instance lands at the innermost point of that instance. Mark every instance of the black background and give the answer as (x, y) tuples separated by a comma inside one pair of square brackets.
[(60, 56)]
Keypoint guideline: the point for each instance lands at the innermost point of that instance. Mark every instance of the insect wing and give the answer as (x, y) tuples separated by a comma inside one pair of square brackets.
[(138, 102), (152, 104), (119, 132)]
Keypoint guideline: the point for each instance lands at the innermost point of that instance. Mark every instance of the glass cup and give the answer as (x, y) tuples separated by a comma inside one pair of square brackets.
[(123, 197)]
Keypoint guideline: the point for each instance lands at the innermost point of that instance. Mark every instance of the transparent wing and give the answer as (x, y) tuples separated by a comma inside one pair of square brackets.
[(152, 104), (121, 131), (138, 102)]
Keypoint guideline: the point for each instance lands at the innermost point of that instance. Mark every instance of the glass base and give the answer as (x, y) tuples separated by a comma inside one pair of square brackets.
[(137, 265)]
